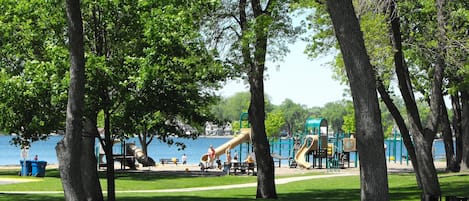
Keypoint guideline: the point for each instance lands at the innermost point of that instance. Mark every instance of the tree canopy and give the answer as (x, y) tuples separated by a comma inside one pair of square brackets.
[(146, 65), (33, 76)]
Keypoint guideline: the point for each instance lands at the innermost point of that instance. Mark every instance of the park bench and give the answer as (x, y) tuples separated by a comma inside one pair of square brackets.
[(456, 198), (169, 161), (124, 160), (240, 168)]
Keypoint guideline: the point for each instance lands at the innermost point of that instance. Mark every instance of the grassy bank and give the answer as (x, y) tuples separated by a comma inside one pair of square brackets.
[(402, 187)]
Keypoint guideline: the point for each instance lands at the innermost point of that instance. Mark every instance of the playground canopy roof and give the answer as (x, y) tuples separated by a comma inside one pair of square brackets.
[(315, 122)]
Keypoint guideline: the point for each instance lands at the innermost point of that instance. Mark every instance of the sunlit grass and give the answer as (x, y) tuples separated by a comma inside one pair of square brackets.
[(401, 187)]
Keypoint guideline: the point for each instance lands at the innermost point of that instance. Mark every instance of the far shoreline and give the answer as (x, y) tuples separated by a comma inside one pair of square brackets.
[(216, 136)]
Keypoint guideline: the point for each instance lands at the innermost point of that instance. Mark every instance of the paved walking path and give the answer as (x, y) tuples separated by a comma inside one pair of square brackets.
[(277, 181), (4, 181), (246, 185)]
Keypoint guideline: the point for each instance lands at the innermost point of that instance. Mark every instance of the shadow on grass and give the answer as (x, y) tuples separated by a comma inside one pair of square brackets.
[(451, 185), (53, 173), (457, 188), (9, 197), (133, 175), (407, 193), (9, 172), (155, 175), (172, 198), (401, 193), (16, 172)]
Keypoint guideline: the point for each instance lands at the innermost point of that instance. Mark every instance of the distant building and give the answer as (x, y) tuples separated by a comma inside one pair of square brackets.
[(213, 129)]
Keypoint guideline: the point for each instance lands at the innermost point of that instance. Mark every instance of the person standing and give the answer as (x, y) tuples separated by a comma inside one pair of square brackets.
[(184, 159), (235, 155), (211, 155), (228, 156)]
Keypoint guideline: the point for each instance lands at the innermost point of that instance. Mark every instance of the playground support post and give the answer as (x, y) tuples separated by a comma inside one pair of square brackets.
[(395, 148)]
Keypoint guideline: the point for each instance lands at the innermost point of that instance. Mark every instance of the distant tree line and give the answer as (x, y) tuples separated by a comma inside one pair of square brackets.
[(339, 114)]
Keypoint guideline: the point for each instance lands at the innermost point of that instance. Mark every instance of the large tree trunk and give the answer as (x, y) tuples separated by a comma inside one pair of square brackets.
[(426, 168), (451, 164), (68, 149), (89, 172), (457, 127), (465, 130), (109, 142), (254, 61), (142, 138), (402, 127), (265, 164), (369, 133), (145, 147), (423, 137)]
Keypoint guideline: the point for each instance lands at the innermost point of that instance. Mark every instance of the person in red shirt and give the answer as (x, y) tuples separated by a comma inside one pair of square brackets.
[(211, 155)]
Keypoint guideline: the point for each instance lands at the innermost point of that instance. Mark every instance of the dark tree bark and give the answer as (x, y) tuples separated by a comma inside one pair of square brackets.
[(369, 133), (465, 130), (89, 172), (109, 142), (402, 127), (69, 148), (457, 127), (422, 136), (100, 48), (254, 61), (451, 164), (265, 164), (144, 141)]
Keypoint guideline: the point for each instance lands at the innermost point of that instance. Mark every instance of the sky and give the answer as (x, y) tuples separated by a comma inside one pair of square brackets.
[(298, 78)]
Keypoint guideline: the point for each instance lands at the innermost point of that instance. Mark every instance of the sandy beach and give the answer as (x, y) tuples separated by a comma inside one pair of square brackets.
[(283, 170)]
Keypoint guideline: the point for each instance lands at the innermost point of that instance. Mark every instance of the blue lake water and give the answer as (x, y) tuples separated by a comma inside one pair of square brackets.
[(11, 155), (397, 150)]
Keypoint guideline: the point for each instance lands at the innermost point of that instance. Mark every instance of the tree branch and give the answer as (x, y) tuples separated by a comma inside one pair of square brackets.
[(402, 71), (256, 8), (267, 7)]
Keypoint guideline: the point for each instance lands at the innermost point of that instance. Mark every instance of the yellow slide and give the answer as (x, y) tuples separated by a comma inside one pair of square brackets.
[(245, 135), (310, 143)]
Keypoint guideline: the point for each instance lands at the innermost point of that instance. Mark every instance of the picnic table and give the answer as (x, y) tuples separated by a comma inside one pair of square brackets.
[(169, 161), (236, 168)]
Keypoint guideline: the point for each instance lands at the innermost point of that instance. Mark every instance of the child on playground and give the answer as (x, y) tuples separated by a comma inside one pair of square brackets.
[(249, 159), (235, 157), (211, 155), (228, 156)]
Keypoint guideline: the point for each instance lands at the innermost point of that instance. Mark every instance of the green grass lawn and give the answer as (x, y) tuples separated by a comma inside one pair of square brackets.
[(401, 187)]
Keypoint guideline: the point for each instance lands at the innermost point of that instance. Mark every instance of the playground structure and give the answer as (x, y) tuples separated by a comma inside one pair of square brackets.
[(140, 156), (396, 151), (127, 154), (232, 167), (311, 149), (310, 144), (315, 141), (244, 136), (281, 150)]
